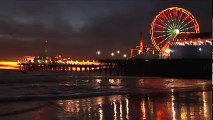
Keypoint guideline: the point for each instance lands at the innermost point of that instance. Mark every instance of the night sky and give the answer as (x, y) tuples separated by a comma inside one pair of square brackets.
[(79, 28)]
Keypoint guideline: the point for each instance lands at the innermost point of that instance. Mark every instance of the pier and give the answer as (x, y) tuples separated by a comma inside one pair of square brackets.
[(183, 68), (103, 68)]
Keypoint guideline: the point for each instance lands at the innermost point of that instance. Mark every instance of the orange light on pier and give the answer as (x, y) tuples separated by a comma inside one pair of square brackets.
[(8, 65)]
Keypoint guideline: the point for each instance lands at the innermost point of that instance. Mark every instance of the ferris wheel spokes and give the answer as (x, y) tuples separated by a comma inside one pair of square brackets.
[(169, 23)]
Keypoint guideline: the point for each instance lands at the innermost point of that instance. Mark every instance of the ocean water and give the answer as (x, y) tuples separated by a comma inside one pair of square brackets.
[(64, 97)]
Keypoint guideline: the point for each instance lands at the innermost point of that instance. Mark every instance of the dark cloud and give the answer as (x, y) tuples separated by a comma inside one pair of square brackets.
[(79, 28)]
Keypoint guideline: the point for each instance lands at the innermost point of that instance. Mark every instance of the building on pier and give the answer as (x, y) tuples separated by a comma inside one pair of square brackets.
[(193, 45), (143, 51)]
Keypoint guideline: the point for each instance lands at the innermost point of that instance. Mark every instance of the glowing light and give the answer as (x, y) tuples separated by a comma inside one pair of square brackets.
[(205, 105), (173, 108), (101, 114), (98, 52), (112, 54), (115, 110), (127, 109), (177, 31), (174, 21), (124, 56), (98, 81), (78, 68), (8, 65), (167, 50), (143, 110), (200, 49), (121, 112), (118, 52), (46, 61)]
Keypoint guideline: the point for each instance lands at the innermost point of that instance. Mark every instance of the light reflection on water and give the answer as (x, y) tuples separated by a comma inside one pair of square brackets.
[(171, 107), (177, 99)]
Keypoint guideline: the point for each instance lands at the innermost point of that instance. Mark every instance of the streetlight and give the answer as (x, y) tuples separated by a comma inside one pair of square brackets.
[(98, 52), (112, 54), (118, 52), (124, 55)]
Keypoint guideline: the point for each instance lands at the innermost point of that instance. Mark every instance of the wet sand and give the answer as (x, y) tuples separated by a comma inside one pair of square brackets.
[(98, 99)]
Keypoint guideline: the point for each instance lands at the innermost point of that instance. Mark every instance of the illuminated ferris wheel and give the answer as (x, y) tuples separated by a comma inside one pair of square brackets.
[(169, 23)]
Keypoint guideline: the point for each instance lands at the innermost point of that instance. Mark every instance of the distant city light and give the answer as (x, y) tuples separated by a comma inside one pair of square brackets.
[(200, 49), (124, 55)]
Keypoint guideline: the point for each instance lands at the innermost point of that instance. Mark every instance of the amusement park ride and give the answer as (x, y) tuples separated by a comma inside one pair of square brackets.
[(166, 26)]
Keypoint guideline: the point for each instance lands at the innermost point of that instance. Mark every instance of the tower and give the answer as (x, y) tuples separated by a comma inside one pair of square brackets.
[(45, 48), (141, 49)]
